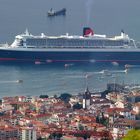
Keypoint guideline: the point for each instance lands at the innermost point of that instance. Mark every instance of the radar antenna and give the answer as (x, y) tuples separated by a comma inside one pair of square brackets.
[(27, 32)]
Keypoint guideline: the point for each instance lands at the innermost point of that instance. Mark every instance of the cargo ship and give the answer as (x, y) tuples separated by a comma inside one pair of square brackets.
[(52, 12), (89, 47)]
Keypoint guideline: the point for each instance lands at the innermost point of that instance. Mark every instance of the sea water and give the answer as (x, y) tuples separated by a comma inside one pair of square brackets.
[(55, 80)]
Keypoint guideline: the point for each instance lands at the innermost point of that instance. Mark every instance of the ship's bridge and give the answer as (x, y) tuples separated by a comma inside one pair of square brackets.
[(122, 36), (21, 39)]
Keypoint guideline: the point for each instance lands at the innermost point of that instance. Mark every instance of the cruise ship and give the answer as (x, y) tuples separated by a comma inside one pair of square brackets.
[(89, 47)]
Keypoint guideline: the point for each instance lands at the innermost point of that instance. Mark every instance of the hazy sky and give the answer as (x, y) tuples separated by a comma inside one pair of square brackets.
[(105, 16)]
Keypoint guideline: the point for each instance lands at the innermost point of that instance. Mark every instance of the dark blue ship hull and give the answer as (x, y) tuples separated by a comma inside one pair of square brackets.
[(50, 57)]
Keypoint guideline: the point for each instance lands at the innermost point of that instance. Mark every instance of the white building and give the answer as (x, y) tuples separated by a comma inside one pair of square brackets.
[(28, 133), (136, 107)]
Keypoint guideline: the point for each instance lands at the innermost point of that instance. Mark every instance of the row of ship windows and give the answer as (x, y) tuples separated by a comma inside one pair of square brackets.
[(76, 43), (66, 47), (86, 44)]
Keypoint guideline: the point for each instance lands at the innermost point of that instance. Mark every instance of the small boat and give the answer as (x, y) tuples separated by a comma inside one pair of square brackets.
[(52, 12), (37, 62), (68, 65), (19, 81)]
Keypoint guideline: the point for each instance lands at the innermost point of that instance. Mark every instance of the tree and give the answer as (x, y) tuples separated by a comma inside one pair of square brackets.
[(0, 101), (97, 119), (132, 135), (105, 139), (65, 97), (55, 96), (43, 96), (59, 135), (104, 93), (55, 135), (41, 138), (77, 106), (52, 135), (81, 127), (86, 136)]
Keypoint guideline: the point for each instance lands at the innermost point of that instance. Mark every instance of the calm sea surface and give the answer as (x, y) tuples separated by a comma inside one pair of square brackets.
[(105, 17)]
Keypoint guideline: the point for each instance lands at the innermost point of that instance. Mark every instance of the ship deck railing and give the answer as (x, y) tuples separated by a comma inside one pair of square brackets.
[(78, 47), (4, 45), (89, 47)]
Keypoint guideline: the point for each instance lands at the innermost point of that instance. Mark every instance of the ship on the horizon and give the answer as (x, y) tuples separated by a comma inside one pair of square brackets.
[(52, 12), (88, 47)]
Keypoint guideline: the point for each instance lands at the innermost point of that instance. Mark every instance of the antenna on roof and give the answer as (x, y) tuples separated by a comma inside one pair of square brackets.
[(122, 31), (27, 32)]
